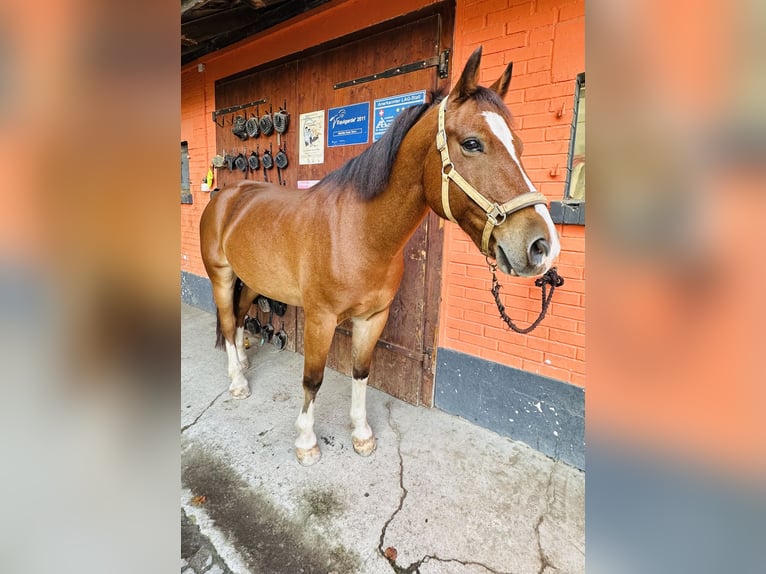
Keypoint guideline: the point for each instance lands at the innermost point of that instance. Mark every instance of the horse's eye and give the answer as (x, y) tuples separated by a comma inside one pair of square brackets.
[(472, 144)]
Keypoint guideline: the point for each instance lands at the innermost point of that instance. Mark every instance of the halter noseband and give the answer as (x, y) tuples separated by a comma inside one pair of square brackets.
[(496, 214)]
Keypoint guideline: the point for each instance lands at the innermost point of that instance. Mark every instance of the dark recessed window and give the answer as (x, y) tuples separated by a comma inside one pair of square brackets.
[(186, 196), (572, 208)]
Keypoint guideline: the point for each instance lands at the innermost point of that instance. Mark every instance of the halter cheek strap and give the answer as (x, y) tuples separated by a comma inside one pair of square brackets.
[(496, 213)]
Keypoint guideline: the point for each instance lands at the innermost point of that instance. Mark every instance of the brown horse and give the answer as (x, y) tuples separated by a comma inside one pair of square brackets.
[(337, 249)]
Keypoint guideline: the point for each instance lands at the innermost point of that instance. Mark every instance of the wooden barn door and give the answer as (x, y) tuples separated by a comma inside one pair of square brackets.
[(403, 361)]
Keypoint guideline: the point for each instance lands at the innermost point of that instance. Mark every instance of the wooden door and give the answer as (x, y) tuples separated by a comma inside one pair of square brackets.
[(403, 361)]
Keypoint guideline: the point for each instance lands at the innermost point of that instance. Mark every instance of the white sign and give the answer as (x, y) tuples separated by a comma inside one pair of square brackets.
[(311, 138)]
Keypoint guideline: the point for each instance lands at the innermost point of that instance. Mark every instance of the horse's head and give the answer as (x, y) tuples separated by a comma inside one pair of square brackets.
[(484, 187)]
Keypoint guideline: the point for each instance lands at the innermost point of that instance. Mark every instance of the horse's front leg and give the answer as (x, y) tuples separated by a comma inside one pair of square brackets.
[(365, 336), (317, 338)]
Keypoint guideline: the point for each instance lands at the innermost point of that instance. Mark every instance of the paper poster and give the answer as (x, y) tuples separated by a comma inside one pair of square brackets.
[(348, 125), (311, 138), (386, 110), (307, 183)]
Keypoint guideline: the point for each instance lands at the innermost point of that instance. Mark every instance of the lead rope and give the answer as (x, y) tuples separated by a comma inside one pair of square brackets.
[(551, 277)]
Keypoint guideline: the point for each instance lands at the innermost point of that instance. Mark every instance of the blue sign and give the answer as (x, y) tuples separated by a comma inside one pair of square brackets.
[(348, 125), (386, 110)]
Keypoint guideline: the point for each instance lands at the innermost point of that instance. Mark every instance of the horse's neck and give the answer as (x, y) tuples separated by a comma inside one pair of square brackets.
[(402, 204)]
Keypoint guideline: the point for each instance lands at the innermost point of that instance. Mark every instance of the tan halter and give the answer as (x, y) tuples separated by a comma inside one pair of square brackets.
[(496, 214)]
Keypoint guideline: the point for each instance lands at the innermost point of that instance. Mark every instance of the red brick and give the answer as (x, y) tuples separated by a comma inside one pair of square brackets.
[(541, 34), (500, 357), (532, 135), (530, 80), (455, 290), (569, 257), (529, 108), (481, 35), (569, 311), (573, 10), (550, 91), (543, 49), (478, 340), (568, 337), (538, 65), (578, 379), (572, 365), (542, 120), (520, 351), (569, 271), (488, 6), (545, 148), (571, 287), (560, 132), (504, 43), (464, 326), (554, 347), (548, 371), (455, 268), (561, 323), (513, 17)]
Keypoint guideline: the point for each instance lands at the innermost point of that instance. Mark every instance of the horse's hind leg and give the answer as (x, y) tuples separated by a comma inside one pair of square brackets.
[(224, 282), (363, 339), (317, 338), (246, 298)]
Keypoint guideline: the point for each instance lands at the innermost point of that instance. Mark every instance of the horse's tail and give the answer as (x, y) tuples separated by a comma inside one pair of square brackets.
[(219, 338)]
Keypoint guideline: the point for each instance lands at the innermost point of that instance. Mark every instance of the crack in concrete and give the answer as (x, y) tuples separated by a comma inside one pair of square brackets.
[(428, 558), (392, 561), (199, 416), (413, 568), (545, 561)]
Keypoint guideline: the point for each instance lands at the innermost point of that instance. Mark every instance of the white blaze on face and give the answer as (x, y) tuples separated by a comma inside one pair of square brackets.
[(501, 130)]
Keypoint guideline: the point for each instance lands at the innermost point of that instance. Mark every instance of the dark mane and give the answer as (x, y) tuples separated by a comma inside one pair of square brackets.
[(368, 172)]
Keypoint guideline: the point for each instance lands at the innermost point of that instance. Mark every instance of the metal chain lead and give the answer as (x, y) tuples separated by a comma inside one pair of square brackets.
[(551, 277)]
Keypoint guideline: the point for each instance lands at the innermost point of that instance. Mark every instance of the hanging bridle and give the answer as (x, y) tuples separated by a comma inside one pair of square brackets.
[(496, 214)]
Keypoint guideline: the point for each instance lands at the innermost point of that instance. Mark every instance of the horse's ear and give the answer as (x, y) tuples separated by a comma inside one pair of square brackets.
[(469, 80), (502, 83)]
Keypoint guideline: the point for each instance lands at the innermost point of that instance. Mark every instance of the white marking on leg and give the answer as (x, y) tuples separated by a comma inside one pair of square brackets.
[(239, 387), (234, 366), (362, 430), (305, 427), (239, 343)]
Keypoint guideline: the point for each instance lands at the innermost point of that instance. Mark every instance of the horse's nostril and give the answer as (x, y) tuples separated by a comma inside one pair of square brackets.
[(538, 250)]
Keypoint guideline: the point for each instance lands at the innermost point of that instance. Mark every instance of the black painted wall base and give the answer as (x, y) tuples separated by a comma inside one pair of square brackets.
[(196, 290), (547, 414)]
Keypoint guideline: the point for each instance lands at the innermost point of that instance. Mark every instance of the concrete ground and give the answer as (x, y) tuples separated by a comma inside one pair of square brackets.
[(438, 496)]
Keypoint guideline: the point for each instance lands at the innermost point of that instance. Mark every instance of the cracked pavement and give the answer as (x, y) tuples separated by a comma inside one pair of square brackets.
[(438, 496)]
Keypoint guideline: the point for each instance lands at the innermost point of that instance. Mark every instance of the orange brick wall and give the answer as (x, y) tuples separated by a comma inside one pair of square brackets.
[(545, 39)]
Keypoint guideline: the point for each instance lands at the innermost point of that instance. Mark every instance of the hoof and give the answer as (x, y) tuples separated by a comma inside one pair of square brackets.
[(239, 392), (364, 447), (308, 456)]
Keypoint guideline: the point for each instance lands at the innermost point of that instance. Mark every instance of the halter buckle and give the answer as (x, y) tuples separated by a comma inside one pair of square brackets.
[(496, 215)]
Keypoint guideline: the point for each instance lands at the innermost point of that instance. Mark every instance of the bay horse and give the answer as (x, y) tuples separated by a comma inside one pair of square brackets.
[(337, 249)]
